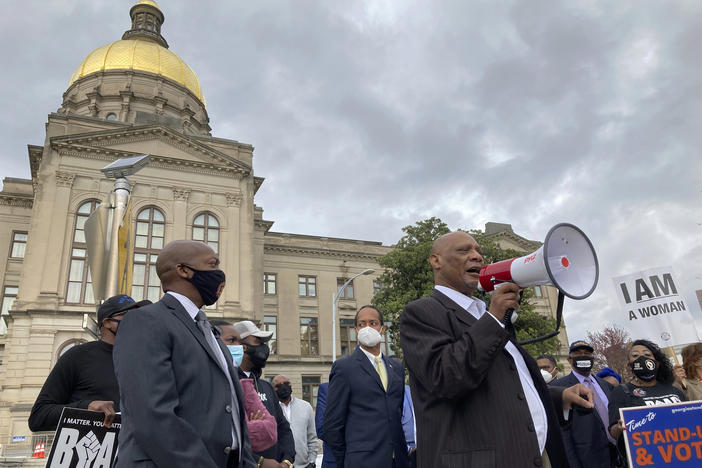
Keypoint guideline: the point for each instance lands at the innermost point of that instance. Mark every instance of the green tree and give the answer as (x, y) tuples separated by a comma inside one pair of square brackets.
[(408, 276)]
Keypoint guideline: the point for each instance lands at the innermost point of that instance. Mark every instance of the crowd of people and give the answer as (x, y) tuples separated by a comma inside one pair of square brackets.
[(191, 393)]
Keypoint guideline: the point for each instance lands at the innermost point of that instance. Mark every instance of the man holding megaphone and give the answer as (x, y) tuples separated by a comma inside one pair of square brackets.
[(480, 400)]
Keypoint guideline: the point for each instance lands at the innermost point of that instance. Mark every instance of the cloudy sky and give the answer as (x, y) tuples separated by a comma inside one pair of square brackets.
[(367, 116)]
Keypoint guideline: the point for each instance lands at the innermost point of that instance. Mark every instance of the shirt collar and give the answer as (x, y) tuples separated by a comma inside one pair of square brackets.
[(369, 355), (187, 304), (463, 301)]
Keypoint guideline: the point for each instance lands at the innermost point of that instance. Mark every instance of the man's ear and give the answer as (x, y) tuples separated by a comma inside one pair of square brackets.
[(182, 270), (435, 261)]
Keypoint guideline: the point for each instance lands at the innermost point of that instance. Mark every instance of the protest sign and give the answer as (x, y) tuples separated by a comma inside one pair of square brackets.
[(655, 308), (83, 441), (664, 435)]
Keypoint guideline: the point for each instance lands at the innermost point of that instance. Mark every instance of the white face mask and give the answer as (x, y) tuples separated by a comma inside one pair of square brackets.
[(546, 375), (369, 337)]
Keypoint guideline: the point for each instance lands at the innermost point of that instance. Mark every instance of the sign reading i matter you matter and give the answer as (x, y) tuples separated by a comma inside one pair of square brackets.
[(83, 441), (654, 307)]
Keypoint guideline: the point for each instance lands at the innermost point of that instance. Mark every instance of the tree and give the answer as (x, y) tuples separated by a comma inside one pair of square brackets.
[(408, 276), (610, 345)]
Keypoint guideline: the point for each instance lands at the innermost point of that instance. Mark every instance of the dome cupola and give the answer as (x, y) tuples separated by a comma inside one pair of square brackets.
[(138, 79)]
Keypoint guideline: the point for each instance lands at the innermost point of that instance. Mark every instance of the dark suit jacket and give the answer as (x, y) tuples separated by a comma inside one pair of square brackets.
[(584, 436), (363, 422), (328, 458), (469, 404), (175, 398)]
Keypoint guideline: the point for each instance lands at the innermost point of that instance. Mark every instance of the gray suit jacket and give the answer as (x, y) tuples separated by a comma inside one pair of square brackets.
[(175, 398)]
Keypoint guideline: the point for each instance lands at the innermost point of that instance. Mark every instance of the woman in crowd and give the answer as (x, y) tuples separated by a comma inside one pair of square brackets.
[(688, 377), (652, 385)]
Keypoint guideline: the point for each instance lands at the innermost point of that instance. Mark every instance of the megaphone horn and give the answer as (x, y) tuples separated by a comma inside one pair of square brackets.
[(567, 260)]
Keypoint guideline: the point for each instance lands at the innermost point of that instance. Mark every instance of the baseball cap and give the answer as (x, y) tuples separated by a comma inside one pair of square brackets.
[(247, 328), (116, 305), (580, 344), (607, 372)]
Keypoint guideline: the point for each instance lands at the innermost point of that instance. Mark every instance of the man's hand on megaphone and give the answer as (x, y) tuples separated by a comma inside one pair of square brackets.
[(504, 297)]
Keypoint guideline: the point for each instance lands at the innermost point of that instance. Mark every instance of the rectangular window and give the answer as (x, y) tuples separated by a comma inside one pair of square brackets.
[(348, 336), (377, 286), (145, 282), (269, 283), (310, 386), (19, 242), (270, 323), (307, 286), (9, 295), (537, 291), (347, 293), (309, 337)]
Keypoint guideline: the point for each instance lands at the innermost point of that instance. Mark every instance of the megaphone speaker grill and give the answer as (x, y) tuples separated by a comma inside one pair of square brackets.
[(571, 261), (567, 261)]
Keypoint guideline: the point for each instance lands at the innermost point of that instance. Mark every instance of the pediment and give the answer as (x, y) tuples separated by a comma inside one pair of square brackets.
[(165, 146)]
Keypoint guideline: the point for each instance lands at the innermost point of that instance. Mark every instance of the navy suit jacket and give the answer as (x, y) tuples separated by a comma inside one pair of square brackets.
[(175, 398), (363, 422), (328, 458), (585, 434)]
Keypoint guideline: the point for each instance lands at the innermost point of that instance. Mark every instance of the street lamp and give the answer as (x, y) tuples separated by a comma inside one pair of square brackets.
[(335, 300), (119, 170)]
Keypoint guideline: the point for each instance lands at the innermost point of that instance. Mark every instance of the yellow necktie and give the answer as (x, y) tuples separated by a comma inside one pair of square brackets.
[(381, 372)]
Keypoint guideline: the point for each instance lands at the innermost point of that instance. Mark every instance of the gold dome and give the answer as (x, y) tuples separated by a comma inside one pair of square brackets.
[(143, 55)]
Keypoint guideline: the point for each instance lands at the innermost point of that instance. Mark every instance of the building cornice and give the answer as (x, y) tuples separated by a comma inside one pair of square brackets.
[(318, 252), (155, 161), (526, 244), (151, 132), (16, 199)]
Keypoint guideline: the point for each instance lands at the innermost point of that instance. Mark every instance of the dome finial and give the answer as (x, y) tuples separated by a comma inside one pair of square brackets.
[(147, 19)]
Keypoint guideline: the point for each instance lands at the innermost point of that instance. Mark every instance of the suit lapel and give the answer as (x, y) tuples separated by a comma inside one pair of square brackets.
[(365, 364), (461, 314), (181, 314)]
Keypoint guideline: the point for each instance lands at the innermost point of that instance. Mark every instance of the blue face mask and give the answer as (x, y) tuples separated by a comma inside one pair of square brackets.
[(237, 353)]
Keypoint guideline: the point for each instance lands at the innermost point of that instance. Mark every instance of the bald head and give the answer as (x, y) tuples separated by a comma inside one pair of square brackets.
[(177, 252), (456, 261), (444, 241), (176, 264)]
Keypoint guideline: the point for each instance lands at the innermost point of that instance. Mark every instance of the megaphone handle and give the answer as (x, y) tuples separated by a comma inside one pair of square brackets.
[(507, 319)]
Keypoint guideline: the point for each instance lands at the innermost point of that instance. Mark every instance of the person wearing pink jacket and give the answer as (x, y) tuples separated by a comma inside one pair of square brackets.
[(263, 428)]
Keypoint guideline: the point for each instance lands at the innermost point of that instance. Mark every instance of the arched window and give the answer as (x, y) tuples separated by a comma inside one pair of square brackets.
[(80, 289), (150, 227), (68, 345), (206, 229), (111, 116)]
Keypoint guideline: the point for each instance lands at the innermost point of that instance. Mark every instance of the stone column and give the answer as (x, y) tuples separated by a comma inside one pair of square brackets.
[(180, 211)]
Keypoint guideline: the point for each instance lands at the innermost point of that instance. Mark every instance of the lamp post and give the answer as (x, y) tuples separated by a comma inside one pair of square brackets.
[(119, 170), (335, 300)]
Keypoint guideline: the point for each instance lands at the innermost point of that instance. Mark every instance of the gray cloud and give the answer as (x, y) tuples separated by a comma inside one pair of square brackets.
[(368, 116)]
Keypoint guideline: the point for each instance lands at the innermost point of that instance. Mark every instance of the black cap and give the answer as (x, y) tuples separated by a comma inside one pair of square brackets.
[(116, 305), (580, 344)]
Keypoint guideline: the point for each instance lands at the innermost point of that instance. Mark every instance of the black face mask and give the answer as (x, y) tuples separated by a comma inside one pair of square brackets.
[(209, 283), (583, 364), (645, 368), (283, 391), (258, 354)]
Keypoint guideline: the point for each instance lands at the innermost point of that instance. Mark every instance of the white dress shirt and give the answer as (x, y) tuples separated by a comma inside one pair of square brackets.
[(371, 358), (476, 308)]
